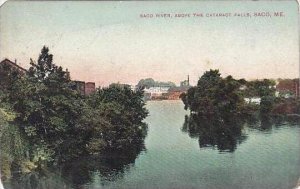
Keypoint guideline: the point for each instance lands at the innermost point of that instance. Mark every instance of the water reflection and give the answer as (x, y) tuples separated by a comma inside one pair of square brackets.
[(110, 166), (77, 173), (36, 179), (226, 133), (215, 132), (260, 122), (266, 123)]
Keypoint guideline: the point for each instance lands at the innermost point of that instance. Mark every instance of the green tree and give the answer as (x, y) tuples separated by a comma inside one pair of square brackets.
[(121, 111), (60, 124), (266, 104), (260, 88), (214, 95), (149, 82), (47, 109), (146, 83)]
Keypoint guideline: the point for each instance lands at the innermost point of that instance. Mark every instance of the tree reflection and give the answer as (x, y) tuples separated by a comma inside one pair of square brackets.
[(110, 166), (76, 173), (224, 134), (36, 179), (265, 122), (260, 122)]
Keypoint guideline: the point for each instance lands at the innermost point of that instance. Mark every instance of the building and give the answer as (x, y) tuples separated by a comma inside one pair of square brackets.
[(288, 88), (84, 88), (185, 83), (253, 100), (8, 68), (155, 93), (79, 86), (174, 93), (6, 65), (167, 92), (90, 88)]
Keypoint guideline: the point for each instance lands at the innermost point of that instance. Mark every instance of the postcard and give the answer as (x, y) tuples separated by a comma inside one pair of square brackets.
[(149, 94)]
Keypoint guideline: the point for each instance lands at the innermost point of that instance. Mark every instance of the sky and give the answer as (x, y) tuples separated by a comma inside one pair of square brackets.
[(106, 42)]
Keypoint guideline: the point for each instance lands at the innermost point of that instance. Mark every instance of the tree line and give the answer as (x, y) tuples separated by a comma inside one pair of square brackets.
[(218, 110), (215, 95), (55, 124)]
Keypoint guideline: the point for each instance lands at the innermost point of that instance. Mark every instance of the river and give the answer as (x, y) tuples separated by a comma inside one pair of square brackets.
[(259, 157)]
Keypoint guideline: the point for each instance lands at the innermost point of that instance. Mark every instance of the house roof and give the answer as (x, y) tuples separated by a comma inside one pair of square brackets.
[(13, 64)]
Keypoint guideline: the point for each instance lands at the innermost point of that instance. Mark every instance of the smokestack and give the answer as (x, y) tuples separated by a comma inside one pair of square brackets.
[(68, 76), (297, 88)]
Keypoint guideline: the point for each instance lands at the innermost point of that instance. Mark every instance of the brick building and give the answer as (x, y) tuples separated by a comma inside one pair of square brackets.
[(90, 88), (288, 87), (84, 88), (79, 86), (7, 65), (7, 69)]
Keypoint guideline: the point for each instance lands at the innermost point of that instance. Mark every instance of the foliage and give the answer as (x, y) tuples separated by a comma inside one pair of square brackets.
[(121, 111), (47, 109), (60, 124), (214, 95), (13, 144), (149, 82), (266, 104), (285, 106), (8, 75), (215, 132), (260, 88)]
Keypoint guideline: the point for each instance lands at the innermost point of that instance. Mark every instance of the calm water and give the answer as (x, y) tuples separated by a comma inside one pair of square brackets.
[(262, 158)]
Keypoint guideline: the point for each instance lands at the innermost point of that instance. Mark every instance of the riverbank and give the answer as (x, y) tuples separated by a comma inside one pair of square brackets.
[(268, 152)]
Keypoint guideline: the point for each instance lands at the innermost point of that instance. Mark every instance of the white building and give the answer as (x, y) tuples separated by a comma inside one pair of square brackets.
[(253, 100), (156, 91)]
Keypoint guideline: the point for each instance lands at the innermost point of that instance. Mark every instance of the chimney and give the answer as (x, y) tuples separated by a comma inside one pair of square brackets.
[(68, 74), (297, 89)]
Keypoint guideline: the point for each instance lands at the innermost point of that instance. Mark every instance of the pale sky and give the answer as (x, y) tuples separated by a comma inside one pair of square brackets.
[(107, 42)]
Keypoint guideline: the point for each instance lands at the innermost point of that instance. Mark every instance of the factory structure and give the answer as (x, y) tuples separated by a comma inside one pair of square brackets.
[(287, 88), (84, 88), (167, 92)]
